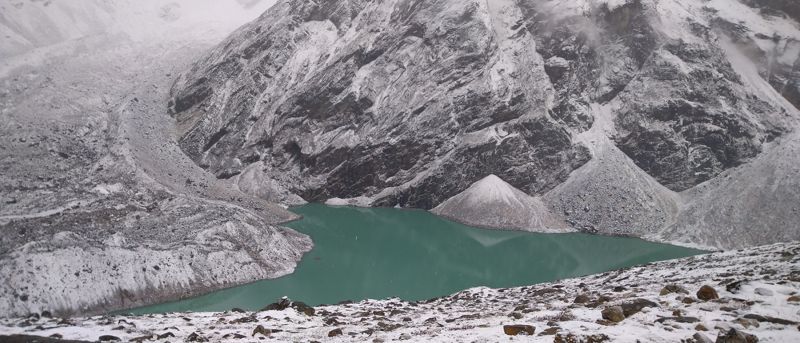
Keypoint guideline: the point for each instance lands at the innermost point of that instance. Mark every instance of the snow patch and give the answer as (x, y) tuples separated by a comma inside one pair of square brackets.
[(106, 189)]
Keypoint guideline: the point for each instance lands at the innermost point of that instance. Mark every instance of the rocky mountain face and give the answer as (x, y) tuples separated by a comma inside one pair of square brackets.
[(405, 103), (381, 103)]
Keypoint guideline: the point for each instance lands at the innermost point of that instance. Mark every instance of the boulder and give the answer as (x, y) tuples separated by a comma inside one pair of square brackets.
[(736, 336), (668, 289), (262, 331), (707, 293), (514, 330), (281, 305), (196, 337), (635, 306), (581, 299), (701, 338), (335, 332), (303, 308), (614, 314)]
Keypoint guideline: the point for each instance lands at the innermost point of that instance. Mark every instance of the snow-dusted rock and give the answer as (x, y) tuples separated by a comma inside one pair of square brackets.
[(493, 203)]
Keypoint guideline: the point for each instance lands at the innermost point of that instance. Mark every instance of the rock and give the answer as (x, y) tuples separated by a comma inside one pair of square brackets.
[(633, 307), (701, 327), (794, 299), (747, 323), (768, 319), (388, 327), (581, 299), (572, 338), (735, 286), (281, 305), (141, 339), (549, 331), (166, 335), (614, 314), (701, 338), (196, 337), (514, 330), (335, 332), (405, 337), (668, 289), (688, 320), (237, 310), (764, 292), (707, 293), (108, 338), (245, 319), (332, 321), (303, 308), (262, 331), (736, 336), (34, 339), (515, 315), (688, 300)]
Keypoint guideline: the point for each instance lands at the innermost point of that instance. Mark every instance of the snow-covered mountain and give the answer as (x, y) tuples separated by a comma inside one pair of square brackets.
[(622, 115), (99, 208)]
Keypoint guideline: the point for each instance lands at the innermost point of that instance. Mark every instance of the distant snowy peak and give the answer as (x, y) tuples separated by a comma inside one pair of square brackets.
[(492, 202)]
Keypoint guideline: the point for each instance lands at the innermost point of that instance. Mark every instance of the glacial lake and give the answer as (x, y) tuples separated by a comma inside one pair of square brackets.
[(414, 255)]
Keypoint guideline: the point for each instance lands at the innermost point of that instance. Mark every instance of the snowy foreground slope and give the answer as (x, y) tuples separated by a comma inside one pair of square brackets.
[(99, 208), (758, 290), (637, 117)]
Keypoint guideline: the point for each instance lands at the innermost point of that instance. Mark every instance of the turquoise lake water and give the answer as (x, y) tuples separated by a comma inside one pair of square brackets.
[(414, 255)]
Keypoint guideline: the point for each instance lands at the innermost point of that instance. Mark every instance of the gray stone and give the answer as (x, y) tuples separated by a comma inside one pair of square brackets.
[(613, 313)]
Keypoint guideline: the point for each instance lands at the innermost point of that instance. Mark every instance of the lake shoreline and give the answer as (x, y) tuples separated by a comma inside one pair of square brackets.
[(756, 288), (402, 243)]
